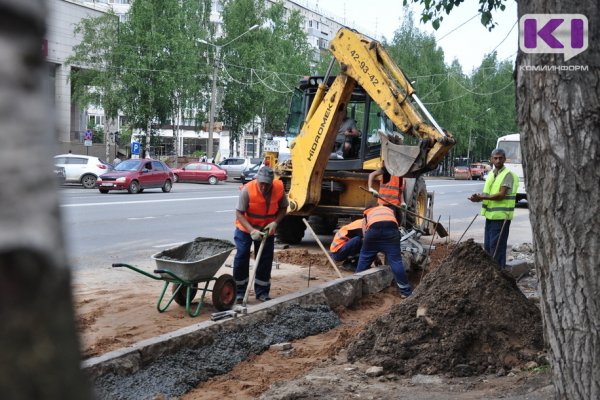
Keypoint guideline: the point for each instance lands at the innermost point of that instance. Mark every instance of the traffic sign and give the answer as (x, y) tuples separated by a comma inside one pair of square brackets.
[(135, 148), (89, 135)]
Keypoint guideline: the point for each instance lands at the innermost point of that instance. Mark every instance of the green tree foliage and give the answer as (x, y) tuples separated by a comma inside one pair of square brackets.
[(94, 75), (434, 10), (260, 69), (475, 109), (149, 67)]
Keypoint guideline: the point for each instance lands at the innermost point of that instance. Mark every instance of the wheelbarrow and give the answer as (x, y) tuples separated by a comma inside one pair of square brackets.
[(189, 268)]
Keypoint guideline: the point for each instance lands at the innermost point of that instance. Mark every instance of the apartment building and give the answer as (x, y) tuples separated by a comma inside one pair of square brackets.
[(319, 25)]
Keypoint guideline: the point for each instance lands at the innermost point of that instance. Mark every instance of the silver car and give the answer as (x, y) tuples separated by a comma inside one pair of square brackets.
[(82, 169), (235, 166)]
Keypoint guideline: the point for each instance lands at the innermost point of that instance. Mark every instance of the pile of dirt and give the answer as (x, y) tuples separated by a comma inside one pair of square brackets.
[(465, 318), (301, 257)]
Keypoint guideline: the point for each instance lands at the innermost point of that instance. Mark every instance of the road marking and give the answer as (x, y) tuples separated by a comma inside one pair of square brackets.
[(139, 218), (146, 201), (224, 211)]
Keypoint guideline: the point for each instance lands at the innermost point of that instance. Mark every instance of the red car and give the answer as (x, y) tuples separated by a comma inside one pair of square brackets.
[(200, 172), (135, 175)]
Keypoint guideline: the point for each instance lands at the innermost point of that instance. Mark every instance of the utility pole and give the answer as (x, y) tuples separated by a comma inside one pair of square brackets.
[(213, 103), (213, 96)]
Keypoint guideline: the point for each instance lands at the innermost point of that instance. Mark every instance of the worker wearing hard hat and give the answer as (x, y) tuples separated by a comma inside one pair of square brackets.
[(261, 206)]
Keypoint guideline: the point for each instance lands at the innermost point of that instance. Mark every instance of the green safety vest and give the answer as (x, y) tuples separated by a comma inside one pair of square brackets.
[(499, 209)]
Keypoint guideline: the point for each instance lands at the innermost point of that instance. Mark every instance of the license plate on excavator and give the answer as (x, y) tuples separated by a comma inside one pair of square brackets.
[(271, 145)]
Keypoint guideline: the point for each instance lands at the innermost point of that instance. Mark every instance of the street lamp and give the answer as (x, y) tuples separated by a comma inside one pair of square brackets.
[(471, 131), (213, 96)]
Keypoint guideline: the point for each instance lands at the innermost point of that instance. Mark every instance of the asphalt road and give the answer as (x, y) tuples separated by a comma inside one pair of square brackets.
[(101, 229)]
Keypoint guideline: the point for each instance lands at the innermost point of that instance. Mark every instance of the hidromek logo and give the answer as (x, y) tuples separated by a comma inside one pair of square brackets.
[(315, 144), (553, 33)]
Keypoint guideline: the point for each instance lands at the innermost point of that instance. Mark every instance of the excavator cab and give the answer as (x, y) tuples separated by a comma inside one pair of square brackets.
[(325, 184), (371, 122)]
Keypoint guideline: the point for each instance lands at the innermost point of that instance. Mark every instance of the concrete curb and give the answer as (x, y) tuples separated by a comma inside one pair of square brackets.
[(339, 292)]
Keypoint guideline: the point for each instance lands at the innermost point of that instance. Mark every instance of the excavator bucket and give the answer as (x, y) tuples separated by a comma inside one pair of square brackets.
[(398, 158)]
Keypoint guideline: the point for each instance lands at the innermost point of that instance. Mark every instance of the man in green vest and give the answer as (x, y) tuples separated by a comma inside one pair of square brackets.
[(498, 205)]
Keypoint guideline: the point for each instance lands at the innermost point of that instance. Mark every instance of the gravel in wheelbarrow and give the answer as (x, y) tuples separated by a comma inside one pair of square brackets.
[(198, 260)]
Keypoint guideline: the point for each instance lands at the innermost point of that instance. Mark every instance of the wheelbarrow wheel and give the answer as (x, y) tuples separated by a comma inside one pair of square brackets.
[(180, 295), (223, 293)]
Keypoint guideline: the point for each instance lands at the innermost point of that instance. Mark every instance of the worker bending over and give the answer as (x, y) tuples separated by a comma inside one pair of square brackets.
[(347, 241), (381, 235), (261, 206)]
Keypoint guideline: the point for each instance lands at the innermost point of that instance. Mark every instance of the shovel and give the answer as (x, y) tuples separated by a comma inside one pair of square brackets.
[(439, 229), (242, 309)]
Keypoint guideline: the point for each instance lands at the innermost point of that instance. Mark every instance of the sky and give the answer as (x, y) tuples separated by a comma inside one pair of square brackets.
[(461, 36)]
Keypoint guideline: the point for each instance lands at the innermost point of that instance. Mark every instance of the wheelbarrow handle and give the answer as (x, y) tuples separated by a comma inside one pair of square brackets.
[(118, 265), (174, 276)]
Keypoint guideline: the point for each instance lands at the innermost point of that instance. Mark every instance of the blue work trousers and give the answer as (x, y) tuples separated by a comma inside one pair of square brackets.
[(241, 264), (385, 238), (492, 239), (349, 249)]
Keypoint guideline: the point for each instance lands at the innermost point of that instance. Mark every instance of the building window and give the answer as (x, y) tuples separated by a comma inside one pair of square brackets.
[(96, 120)]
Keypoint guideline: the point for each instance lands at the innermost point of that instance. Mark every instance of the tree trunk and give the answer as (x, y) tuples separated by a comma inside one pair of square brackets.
[(559, 119), (39, 348), (146, 153)]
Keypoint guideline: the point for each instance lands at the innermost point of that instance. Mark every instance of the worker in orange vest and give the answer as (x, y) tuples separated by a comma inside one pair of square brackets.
[(347, 242), (261, 206), (390, 191), (381, 235)]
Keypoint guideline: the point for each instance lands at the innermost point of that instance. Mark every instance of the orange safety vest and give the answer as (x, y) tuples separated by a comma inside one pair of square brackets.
[(379, 214), (259, 212), (341, 236), (391, 191)]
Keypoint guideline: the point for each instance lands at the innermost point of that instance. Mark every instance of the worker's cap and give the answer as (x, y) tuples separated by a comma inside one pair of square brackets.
[(265, 175)]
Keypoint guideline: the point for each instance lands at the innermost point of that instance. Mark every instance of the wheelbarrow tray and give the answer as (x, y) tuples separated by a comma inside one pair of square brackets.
[(194, 261)]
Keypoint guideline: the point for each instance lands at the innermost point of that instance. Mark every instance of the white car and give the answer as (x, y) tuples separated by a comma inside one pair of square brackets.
[(235, 166), (82, 169)]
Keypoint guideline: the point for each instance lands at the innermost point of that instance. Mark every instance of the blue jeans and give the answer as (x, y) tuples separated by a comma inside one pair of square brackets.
[(385, 239), (351, 248), (492, 238), (241, 264)]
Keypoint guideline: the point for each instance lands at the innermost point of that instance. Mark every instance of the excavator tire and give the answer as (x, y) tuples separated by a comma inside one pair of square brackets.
[(417, 203), (291, 230)]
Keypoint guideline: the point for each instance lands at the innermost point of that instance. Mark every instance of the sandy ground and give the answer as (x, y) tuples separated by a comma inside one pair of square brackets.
[(117, 307)]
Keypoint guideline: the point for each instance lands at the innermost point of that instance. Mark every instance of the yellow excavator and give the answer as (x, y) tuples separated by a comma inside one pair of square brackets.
[(373, 91)]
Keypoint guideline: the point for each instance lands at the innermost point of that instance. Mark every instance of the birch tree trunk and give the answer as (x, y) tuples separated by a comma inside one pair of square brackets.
[(39, 348), (559, 118)]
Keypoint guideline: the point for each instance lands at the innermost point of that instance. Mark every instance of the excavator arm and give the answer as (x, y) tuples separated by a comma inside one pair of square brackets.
[(367, 62), (310, 152)]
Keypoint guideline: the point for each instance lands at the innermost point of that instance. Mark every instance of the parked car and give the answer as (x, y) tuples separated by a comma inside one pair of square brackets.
[(136, 175), (477, 170), (60, 174), (200, 172), (82, 169), (235, 166), (249, 173), (462, 172)]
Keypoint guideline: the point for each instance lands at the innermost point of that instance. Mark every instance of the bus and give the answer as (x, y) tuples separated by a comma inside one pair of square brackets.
[(511, 144)]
